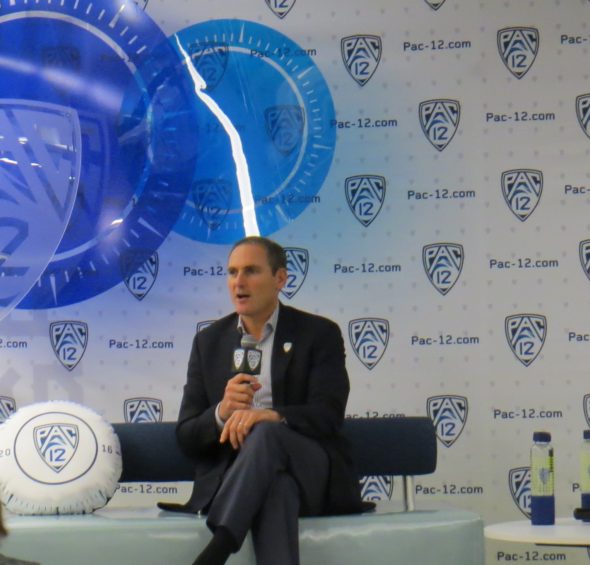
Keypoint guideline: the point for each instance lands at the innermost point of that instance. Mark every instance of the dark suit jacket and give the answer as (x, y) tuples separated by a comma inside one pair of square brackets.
[(309, 388)]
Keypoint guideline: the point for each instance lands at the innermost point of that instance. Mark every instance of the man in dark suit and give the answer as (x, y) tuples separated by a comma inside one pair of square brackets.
[(267, 448)]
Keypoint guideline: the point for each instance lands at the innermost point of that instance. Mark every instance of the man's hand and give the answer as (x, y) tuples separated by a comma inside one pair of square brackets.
[(238, 395), (241, 422)]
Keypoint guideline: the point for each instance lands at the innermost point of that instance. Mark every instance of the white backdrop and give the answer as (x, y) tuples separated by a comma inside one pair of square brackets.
[(444, 231)]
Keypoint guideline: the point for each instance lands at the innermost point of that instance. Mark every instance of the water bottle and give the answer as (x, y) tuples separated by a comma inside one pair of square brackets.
[(585, 469), (542, 480)]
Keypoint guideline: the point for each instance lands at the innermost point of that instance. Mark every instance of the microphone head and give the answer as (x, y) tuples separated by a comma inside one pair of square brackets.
[(248, 341)]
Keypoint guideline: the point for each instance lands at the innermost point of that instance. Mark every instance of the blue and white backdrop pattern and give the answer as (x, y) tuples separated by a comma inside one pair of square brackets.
[(424, 163)]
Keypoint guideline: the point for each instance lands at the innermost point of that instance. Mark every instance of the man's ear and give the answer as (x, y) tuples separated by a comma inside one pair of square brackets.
[(281, 278)]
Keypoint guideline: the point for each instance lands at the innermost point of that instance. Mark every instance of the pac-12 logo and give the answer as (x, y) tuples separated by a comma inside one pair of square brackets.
[(376, 487), (297, 267), (68, 340), (210, 60), (280, 8), (585, 256), (361, 55), (212, 198), (526, 336), (435, 4), (583, 112), (519, 482), (443, 263), (365, 195), (369, 338), (56, 444), (284, 125), (439, 120), (522, 189), (586, 408), (140, 270), (143, 410), (518, 47), (7, 408), (449, 414)]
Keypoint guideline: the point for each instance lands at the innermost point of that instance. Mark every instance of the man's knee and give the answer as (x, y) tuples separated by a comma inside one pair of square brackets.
[(264, 435)]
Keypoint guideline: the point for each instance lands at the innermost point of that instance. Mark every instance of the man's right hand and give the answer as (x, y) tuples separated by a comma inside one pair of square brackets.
[(239, 393)]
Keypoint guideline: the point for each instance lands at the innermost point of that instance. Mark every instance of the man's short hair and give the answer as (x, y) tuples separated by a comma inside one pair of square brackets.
[(277, 258)]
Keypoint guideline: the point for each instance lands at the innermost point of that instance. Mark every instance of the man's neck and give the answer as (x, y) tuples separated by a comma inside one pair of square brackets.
[(255, 325)]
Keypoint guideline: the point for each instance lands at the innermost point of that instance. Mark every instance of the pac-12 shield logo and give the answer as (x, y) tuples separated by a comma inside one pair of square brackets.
[(586, 408), (284, 125), (449, 414), (56, 444), (212, 199), (297, 267), (369, 338), (522, 189), (365, 195), (583, 112), (435, 4), (7, 407), (210, 60), (439, 120), (280, 8), (361, 55), (519, 482), (585, 256), (376, 487), (443, 263), (68, 340), (140, 271), (518, 47), (526, 336), (143, 410)]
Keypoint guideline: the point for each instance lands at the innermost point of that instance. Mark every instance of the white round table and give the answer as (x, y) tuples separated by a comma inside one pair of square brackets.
[(565, 532)]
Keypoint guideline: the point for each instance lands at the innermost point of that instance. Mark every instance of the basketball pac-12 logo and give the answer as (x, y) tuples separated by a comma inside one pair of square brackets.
[(297, 267), (56, 444), (212, 198), (522, 189), (439, 120), (210, 61), (369, 338), (448, 414), (376, 487), (518, 47), (143, 410), (284, 125), (68, 340), (519, 483), (7, 408), (361, 55), (365, 195), (140, 270), (583, 112), (280, 8), (443, 263), (526, 336)]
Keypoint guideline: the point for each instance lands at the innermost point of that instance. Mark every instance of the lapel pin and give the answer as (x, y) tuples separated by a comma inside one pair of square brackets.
[(287, 346)]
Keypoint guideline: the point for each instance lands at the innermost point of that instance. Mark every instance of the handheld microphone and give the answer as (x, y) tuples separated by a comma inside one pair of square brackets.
[(247, 358)]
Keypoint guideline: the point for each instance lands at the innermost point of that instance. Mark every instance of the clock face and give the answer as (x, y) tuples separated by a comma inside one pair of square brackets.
[(281, 116), (110, 64)]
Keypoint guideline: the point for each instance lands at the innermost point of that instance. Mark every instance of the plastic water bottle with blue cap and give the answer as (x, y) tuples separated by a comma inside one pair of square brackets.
[(542, 480)]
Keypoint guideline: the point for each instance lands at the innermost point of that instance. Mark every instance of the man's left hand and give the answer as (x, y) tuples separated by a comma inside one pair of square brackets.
[(240, 424)]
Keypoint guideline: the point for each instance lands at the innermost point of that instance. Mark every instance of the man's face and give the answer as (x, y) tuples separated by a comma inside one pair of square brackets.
[(253, 288)]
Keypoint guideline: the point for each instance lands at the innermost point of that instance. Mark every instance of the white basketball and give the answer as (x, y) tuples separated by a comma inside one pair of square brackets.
[(58, 457)]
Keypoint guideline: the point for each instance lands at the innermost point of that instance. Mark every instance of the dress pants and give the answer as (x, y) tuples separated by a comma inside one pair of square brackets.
[(277, 476)]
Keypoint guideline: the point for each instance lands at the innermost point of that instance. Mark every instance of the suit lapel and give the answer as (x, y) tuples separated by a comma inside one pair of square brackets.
[(282, 351)]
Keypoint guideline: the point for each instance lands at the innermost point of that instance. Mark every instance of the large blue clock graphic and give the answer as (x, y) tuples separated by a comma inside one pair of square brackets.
[(280, 110), (114, 68)]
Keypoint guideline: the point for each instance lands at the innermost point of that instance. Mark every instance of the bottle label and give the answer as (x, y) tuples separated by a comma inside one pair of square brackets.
[(542, 480)]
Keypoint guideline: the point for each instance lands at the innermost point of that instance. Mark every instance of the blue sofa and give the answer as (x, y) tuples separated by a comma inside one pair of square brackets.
[(390, 534)]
